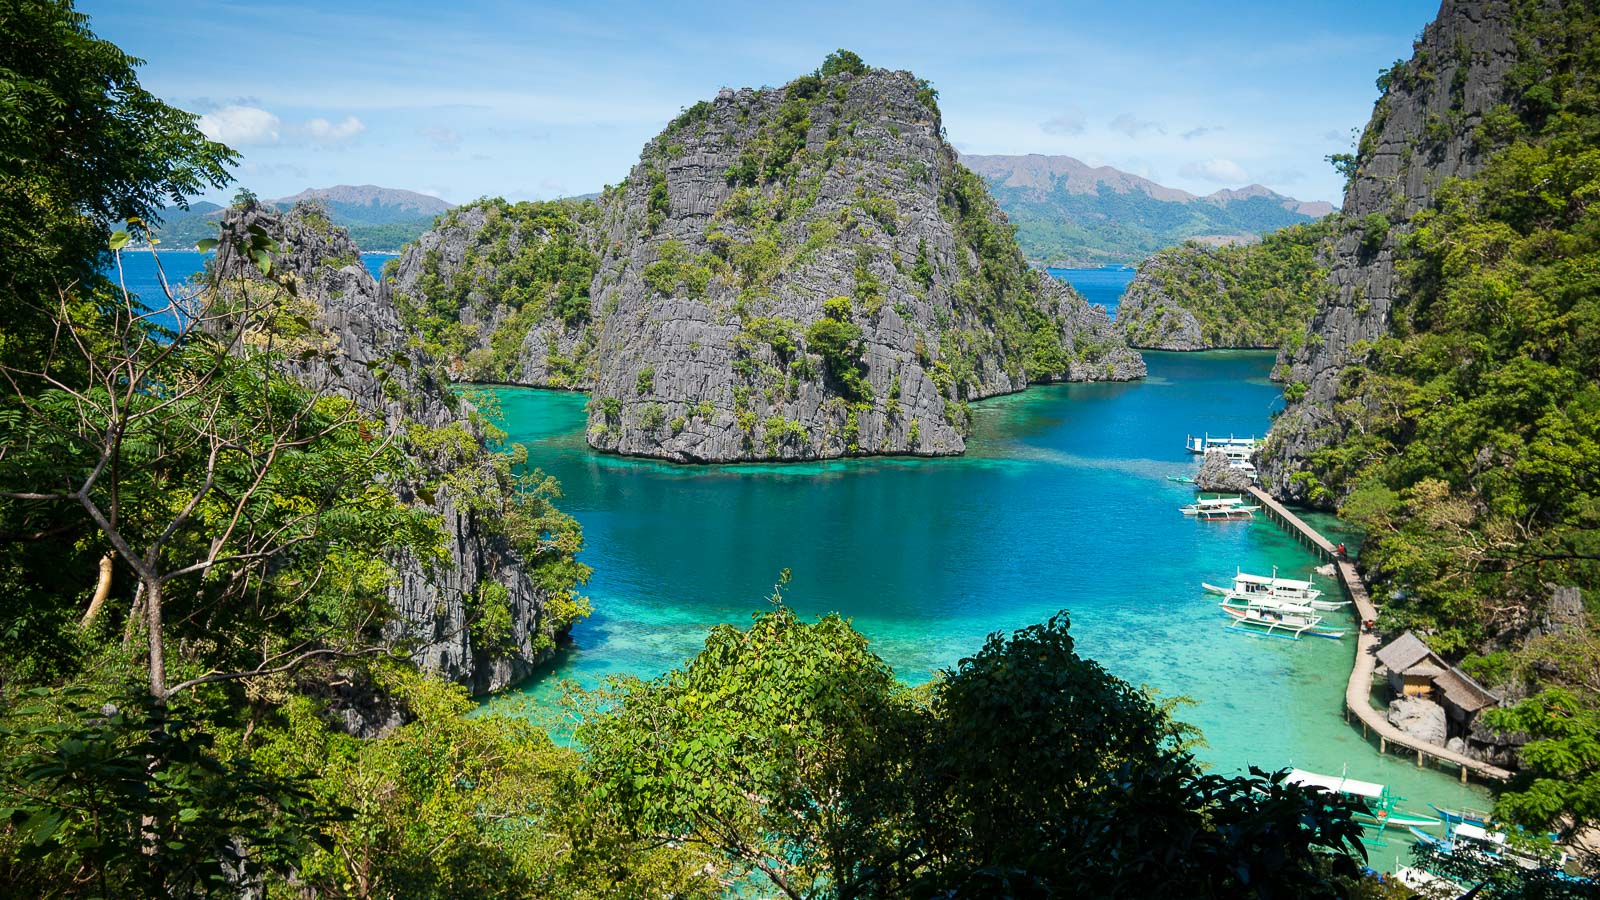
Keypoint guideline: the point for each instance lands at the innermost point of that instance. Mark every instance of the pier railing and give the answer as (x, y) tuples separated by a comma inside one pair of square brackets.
[(1358, 691)]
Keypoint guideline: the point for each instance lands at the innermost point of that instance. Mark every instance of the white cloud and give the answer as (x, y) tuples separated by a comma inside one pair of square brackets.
[(1070, 122), (1220, 170), (1135, 127), (1201, 131), (239, 126), (321, 131)]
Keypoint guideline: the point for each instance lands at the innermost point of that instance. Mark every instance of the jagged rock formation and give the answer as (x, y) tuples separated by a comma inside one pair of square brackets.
[(1255, 296), (1151, 318), (1217, 475), (1421, 718), (356, 347), (790, 273), (1424, 129)]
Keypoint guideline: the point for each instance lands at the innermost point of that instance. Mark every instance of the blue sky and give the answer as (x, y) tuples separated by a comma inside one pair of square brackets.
[(463, 99)]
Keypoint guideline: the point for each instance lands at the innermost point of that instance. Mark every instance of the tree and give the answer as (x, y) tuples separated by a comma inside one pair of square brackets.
[(82, 145), (450, 805), (198, 464), (838, 341), (1045, 775), (765, 751), (131, 798), (1559, 783), (788, 751)]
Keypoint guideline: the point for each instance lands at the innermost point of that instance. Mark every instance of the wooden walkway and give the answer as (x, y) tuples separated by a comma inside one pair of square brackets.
[(1358, 692)]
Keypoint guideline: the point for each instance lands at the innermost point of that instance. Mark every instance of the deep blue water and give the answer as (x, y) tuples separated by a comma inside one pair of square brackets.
[(1102, 286)]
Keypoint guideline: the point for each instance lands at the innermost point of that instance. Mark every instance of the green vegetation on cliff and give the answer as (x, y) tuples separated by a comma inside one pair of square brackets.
[(1468, 436), (202, 692), (1243, 295), (525, 263)]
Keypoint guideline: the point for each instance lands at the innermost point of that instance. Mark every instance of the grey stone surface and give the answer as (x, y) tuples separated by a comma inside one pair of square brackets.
[(1150, 318), (1420, 718), (1566, 610), (1493, 746), (1421, 133), (870, 141), (1216, 475), (362, 353)]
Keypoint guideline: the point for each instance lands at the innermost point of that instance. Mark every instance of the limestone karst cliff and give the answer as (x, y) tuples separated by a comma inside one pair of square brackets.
[(1434, 121), (1241, 296), (790, 273), (355, 346)]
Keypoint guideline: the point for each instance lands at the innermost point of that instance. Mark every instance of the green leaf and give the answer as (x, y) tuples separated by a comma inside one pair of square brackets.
[(263, 262), (207, 244), (119, 239)]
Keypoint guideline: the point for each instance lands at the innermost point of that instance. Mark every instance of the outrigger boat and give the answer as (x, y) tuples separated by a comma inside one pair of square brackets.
[(1464, 836), (1180, 479), (1202, 443), (1381, 805), (1279, 619), (1251, 587), (1220, 508), (1466, 815)]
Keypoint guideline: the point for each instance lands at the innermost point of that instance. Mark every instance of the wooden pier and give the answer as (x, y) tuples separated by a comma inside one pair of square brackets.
[(1358, 692)]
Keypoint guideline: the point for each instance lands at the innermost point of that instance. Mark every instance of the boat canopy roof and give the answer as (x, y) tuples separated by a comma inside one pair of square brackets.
[(1335, 783), (1478, 833), (1289, 583), (1220, 501)]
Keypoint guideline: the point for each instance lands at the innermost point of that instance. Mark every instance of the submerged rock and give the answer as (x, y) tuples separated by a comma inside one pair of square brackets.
[(1420, 718)]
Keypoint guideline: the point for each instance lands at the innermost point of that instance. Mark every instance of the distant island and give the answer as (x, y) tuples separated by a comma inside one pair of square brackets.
[(378, 218), (1069, 213)]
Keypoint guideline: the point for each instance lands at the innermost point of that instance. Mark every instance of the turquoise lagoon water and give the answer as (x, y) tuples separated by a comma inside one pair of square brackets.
[(1061, 503)]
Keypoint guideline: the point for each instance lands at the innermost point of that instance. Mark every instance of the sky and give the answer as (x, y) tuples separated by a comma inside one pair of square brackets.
[(465, 99)]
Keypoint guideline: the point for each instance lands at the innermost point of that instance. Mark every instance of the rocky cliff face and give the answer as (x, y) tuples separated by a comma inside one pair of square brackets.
[(1151, 316), (356, 347), (1425, 128), (1242, 296), (790, 273)]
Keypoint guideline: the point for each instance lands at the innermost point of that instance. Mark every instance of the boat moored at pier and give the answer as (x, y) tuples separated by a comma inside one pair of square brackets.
[(1247, 586)]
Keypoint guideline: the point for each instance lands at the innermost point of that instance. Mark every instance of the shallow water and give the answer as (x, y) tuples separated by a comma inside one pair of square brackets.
[(1062, 502)]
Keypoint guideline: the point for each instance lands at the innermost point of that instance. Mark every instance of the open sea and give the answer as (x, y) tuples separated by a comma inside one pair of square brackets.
[(1103, 286), (1061, 503)]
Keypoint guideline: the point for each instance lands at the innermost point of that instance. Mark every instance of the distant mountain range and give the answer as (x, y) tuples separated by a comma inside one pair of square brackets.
[(1069, 213), (377, 218)]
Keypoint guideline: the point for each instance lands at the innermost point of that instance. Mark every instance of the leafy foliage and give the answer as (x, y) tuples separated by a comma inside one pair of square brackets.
[(788, 752), (530, 257), (1467, 440), (132, 798), (1241, 295), (838, 341), (83, 145)]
